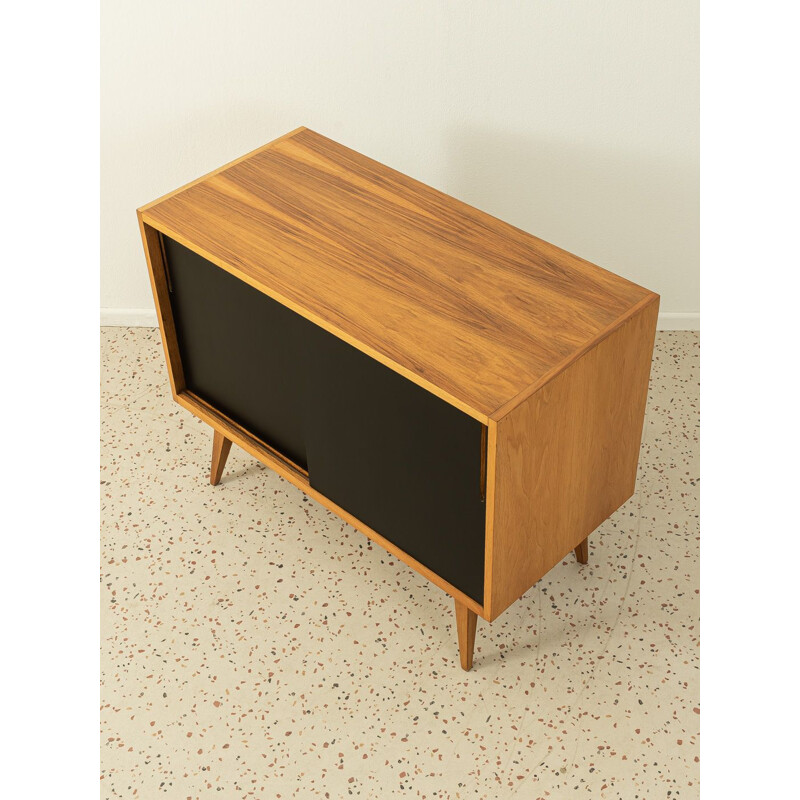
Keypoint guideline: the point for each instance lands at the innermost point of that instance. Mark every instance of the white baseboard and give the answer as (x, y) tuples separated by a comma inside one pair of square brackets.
[(679, 321), (146, 318), (128, 318)]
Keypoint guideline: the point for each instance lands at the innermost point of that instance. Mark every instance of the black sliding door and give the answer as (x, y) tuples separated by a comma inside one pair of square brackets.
[(399, 459), (390, 453), (242, 352)]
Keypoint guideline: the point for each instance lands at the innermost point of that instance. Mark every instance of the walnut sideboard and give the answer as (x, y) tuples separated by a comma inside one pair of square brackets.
[(466, 395)]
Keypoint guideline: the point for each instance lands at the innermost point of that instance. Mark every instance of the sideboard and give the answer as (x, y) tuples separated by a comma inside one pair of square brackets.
[(465, 394)]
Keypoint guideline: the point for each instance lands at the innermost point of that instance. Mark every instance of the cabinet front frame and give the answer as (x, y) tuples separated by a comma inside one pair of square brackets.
[(159, 281)]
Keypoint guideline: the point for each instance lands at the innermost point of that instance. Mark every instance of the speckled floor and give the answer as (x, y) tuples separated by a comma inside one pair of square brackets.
[(253, 645)]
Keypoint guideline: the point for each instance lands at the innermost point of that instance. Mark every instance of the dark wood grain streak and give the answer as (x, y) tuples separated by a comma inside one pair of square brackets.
[(473, 309)]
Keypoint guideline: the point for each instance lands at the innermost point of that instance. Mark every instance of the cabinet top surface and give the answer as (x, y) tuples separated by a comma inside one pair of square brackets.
[(464, 304)]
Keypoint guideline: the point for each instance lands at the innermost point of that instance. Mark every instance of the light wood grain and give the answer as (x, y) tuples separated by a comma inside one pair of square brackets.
[(465, 305), (219, 456), (213, 172), (466, 622), (566, 458)]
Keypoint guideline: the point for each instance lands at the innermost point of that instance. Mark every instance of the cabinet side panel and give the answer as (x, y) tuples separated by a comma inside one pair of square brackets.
[(567, 457)]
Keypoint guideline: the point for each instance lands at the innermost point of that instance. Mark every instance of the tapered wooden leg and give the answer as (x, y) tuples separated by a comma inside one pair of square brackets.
[(466, 620), (219, 455), (582, 551)]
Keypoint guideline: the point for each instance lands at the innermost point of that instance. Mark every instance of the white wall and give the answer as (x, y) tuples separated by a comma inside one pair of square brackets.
[(576, 120)]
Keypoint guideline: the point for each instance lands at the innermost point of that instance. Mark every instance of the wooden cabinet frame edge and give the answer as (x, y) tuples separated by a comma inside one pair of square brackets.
[(159, 281), (149, 224), (151, 239)]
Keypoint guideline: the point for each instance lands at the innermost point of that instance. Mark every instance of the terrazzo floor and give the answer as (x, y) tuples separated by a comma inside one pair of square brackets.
[(253, 645)]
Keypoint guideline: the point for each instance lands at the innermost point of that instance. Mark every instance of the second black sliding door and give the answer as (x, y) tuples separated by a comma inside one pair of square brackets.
[(399, 459)]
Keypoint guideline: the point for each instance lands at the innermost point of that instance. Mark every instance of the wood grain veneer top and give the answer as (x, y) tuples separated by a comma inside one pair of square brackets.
[(462, 303)]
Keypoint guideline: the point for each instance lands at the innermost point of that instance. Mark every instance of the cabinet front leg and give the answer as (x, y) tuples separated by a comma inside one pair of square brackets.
[(219, 455), (582, 551), (466, 620)]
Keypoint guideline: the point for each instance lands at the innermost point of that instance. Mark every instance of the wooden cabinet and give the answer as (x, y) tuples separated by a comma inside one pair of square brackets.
[(468, 396)]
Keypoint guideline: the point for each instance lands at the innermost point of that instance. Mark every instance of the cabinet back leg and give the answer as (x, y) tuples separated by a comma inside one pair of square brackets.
[(466, 620), (582, 551), (219, 455)]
